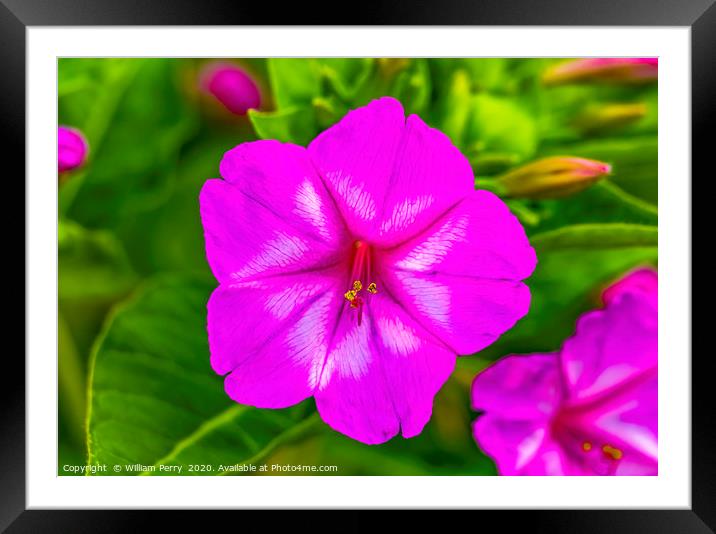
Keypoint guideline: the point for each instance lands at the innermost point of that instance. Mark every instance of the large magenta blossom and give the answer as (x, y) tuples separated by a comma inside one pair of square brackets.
[(590, 409), (355, 270)]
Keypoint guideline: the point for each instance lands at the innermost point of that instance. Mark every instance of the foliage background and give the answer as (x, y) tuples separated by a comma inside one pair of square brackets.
[(135, 385)]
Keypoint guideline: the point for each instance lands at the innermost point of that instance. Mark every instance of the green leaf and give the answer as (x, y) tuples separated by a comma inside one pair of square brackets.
[(602, 202), (454, 110), (345, 76), (135, 121), (499, 125), (71, 382), (565, 284), (293, 81), (596, 236), (154, 399), (290, 125), (487, 73), (171, 238), (91, 264)]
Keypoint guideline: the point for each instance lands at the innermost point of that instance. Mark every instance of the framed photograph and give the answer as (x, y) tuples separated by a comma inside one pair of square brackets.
[(359, 267)]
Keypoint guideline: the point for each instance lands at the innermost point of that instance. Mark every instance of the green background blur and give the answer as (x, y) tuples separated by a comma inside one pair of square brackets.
[(135, 385)]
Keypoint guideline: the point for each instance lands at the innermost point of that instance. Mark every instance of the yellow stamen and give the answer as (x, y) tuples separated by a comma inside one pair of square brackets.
[(586, 446), (357, 285), (612, 452), (372, 288), (350, 295)]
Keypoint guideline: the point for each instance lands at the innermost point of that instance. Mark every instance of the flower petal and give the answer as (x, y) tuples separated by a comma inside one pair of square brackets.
[(381, 376), (479, 237), (626, 419), (245, 317), (465, 313), (353, 395), (644, 281), (416, 364), (523, 447), (519, 395), (390, 177), (519, 387), (287, 367), (247, 239), (611, 346)]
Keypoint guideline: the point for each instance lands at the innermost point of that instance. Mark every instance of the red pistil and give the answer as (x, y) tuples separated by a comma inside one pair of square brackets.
[(361, 270)]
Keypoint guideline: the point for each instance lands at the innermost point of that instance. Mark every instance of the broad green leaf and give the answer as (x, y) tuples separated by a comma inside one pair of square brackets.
[(92, 264), (290, 125), (154, 399), (135, 127), (596, 236)]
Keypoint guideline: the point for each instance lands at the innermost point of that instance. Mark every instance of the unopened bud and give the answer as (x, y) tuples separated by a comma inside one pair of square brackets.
[(612, 70), (553, 177), (231, 86), (599, 118), (72, 149)]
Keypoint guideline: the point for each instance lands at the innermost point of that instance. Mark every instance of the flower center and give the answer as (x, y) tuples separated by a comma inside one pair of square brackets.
[(360, 272), (602, 457)]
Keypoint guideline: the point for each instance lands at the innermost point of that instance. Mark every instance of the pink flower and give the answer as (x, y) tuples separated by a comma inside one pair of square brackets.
[(590, 409), (355, 270), (72, 148), (232, 86), (626, 70)]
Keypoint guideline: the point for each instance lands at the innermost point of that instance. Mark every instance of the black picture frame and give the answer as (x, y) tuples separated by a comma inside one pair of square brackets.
[(16, 15)]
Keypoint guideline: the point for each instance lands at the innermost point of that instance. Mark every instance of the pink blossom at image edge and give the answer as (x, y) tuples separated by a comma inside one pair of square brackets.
[(590, 409), (72, 148), (356, 269)]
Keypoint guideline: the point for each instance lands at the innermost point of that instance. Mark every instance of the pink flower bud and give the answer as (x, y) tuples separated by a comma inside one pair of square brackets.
[(614, 70), (72, 149), (553, 177), (232, 86)]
